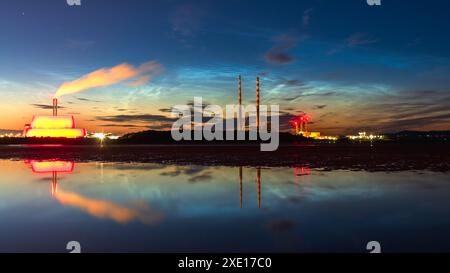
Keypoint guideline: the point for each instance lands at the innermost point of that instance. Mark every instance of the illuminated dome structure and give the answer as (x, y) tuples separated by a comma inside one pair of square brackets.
[(53, 126)]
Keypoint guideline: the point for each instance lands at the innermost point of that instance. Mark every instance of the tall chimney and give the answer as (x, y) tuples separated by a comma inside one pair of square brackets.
[(55, 106), (240, 102), (257, 103), (239, 91)]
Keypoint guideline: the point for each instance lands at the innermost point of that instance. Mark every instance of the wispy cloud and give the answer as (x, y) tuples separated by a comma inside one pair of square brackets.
[(279, 54), (121, 125), (320, 106), (109, 76), (186, 23), (136, 118), (45, 106), (86, 99), (185, 20), (354, 40), (306, 18), (360, 38)]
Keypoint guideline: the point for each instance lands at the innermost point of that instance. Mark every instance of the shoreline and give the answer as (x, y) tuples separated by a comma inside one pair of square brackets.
[(361, 156)]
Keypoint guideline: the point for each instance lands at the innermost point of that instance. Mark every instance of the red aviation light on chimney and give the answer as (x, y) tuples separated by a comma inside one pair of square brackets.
[(304, 118)]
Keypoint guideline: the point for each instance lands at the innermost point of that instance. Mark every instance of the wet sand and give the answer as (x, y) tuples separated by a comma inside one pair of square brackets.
[(360, 156)]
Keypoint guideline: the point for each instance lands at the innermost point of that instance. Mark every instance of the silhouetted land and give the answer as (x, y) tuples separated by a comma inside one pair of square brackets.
[(164, 137)]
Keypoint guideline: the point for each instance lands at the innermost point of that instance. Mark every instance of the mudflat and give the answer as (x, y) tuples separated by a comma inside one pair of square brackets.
[(353, 156)]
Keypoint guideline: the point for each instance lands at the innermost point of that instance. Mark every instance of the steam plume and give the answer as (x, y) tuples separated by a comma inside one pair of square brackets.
[(108, 76)]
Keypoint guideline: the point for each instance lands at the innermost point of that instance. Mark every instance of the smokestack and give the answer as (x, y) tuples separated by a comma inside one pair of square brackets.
[(240, 102), (55, 106), (239, 91), (257, 103)]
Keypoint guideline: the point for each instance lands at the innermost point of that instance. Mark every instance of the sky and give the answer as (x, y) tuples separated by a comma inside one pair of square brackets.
[(348, 65)]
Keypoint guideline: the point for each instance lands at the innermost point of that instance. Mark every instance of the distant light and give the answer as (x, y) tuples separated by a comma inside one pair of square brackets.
[(100, 136)]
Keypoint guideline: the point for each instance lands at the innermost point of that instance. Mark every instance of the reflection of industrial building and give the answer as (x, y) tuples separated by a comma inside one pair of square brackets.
[(53, 167), (53, 126), (95, 207)]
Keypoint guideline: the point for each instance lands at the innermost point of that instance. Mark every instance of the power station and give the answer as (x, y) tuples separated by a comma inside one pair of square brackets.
[(53, 126)]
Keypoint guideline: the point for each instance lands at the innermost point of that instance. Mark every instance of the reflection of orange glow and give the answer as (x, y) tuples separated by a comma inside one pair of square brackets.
[(302, 171), (53, 122), (52, 166), (94, 207), (106, 209), (67, 133)]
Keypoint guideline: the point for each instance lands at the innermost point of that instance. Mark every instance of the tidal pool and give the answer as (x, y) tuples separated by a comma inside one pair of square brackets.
[(144, 207)]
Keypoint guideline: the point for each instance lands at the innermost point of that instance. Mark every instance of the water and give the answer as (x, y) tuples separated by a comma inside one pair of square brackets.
[(125, 207)]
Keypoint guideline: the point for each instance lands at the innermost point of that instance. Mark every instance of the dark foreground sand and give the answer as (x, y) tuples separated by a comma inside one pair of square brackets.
[(377, 157)]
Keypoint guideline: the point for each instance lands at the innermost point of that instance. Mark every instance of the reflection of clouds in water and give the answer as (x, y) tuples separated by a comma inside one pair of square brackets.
[(134, 166), (187, 170), (171, 173), (280, 225), (108, 210), (191, 170), (323, 185), (201, 178), (195, 173)]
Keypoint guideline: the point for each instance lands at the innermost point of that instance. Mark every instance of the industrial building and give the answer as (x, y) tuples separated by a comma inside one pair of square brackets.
[(53, 126)]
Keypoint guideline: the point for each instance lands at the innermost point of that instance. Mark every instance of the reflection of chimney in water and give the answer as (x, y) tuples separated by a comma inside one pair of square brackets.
[(240, 184), (258, 181), (55, 106), (258, 174), (54, 183)]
